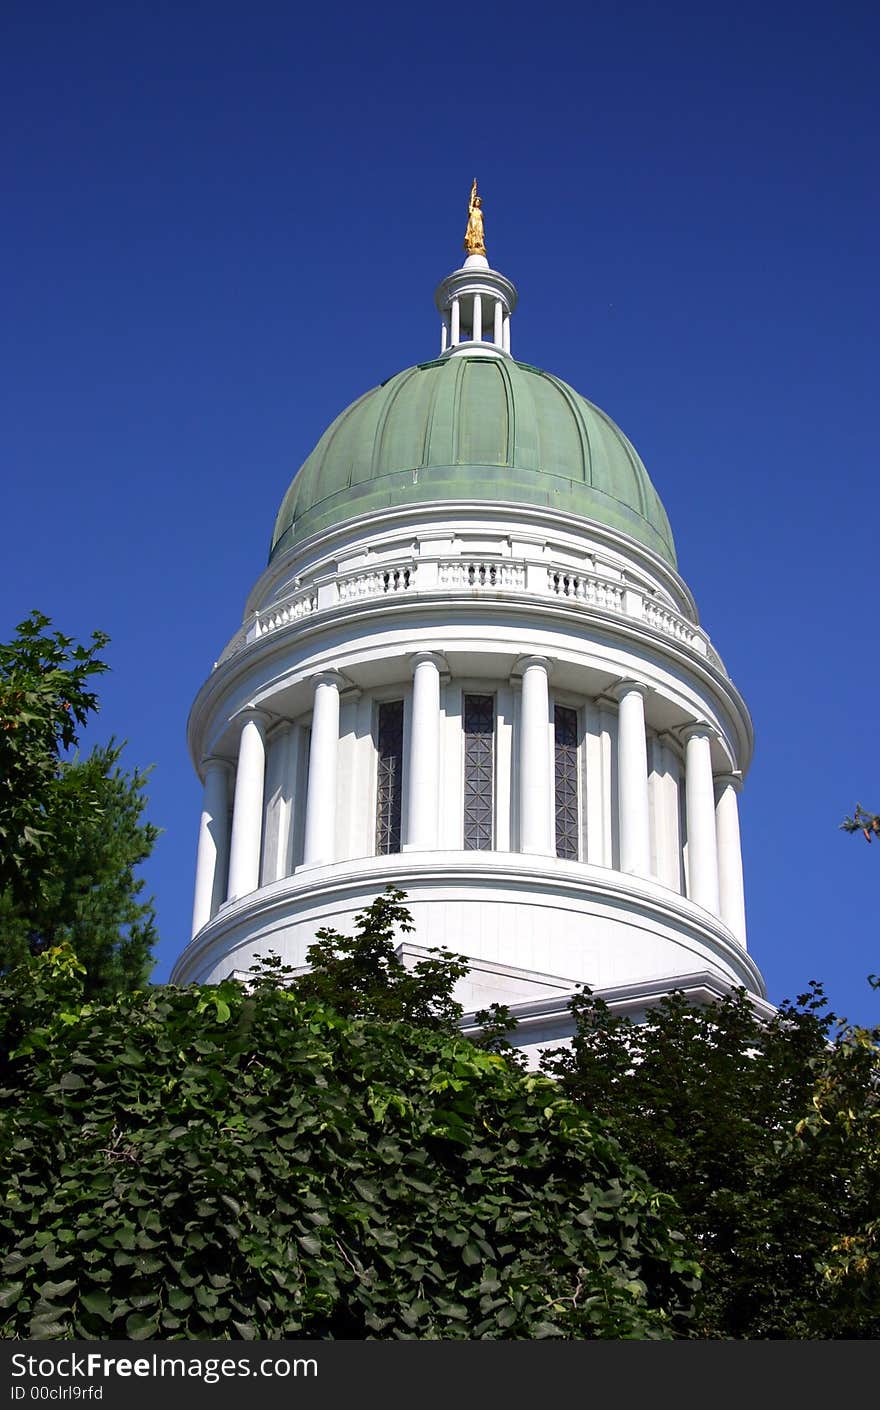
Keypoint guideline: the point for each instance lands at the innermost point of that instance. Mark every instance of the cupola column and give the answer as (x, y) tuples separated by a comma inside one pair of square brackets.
[(702, 847), (423, 773), (505, 334), (534, 758), (320, 830), (247, 808), (212, 858), (632, 780), (455, 323), (478, 301), (730, 868)]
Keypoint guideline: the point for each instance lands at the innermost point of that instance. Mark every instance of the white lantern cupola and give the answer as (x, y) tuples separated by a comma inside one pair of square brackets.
[(475, 302)]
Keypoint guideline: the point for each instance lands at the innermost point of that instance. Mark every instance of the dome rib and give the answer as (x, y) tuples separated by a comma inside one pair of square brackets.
[(384, 424), (421, 435)]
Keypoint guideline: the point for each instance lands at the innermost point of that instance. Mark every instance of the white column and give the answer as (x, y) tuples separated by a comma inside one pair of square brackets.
[(423, 770), (247, 809), (632, 780), (477, 330), (664, 785), (700, 803), (730, 868), (534, 758), (498, 336), (444, 336), (280, 785), (505, 334), (212, 858), (455, 323), (321, 801)]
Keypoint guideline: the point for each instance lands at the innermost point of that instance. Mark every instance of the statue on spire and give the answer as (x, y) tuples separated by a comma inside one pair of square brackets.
[(474, 239)]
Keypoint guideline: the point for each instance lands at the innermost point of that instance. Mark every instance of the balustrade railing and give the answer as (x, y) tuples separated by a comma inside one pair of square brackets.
[(283, 613), (590, 590), (597, 592), (481, 573)]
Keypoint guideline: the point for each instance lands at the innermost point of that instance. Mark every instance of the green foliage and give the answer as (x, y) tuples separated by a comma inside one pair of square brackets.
[(362, 974), (766, 1134), (868, 824), (842, 1120), (228, 1162), (44, 699), (71, 830)]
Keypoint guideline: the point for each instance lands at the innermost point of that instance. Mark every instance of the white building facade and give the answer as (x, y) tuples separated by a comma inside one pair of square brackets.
[(471, 670)]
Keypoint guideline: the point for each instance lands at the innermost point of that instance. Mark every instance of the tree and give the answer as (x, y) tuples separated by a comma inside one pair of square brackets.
[(767, 1134), (868, 824), (71, 828), (841, 1118), (241, 1161), (362, 976)]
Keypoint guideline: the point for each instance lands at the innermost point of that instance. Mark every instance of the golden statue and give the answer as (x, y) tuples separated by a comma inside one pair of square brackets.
[(474, 239)]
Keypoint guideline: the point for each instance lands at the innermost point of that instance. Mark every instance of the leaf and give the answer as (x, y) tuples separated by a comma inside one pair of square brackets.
[(51, 1291), (46, 1327), (9, 1294), (98, 1303), (139, 1327), (540, 1330)]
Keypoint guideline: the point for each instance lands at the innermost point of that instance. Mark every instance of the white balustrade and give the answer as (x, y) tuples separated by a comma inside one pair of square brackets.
[(283, 613), (489, 573), (596, 591), (377, 582)]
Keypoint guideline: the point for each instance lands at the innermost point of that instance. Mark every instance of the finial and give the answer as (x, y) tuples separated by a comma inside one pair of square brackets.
[(474, 239)]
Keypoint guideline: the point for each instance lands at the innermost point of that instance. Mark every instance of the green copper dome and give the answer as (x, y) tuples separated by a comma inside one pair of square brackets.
[(474, 428)]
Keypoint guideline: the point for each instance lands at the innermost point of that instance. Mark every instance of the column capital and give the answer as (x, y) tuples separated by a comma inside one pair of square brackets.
[(328, 678), (523, 663), (433, 658), (213, 762), (626, 687), (698, 729), (253, 713), (732, 779)]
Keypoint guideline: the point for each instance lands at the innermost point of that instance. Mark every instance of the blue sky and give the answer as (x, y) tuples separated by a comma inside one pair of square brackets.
[(225, 221)]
